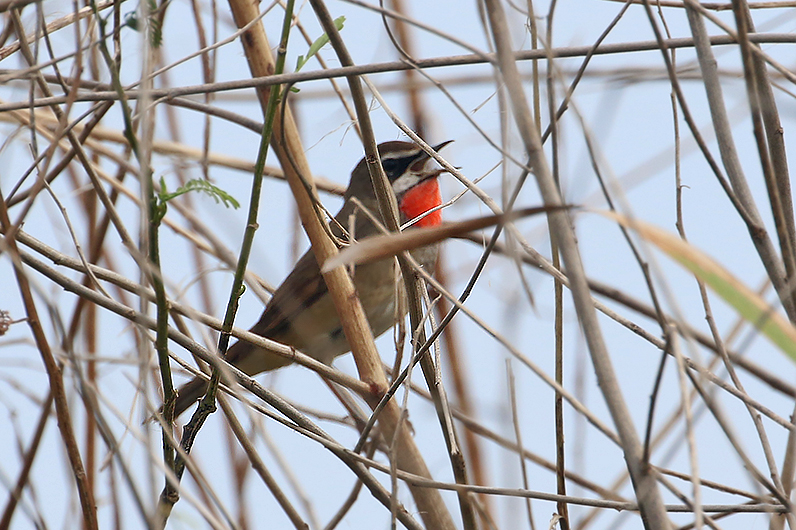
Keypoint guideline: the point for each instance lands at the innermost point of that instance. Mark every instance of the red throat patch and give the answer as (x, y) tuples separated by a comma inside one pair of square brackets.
[(420, 199)]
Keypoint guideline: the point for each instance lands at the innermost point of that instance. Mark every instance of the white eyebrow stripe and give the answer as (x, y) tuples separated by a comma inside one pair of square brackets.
[(400, 154)]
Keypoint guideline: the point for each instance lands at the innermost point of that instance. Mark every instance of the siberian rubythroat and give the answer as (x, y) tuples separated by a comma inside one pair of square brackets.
[(301, 313)]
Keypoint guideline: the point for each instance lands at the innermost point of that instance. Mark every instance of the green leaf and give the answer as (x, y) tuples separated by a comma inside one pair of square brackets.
[(155, 29), (201, 185), (319, 43), (131, 21), (743, 299)]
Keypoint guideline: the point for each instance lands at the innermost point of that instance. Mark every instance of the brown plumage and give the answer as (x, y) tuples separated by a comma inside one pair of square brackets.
[(301, 312)]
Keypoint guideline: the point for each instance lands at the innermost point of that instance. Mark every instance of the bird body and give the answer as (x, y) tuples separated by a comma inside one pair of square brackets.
[(301, 313)]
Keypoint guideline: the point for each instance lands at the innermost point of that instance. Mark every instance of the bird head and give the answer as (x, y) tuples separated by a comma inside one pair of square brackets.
[(413, 180)]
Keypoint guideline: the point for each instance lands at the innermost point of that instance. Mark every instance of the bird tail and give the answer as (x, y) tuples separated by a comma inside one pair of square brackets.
[(246, 357), (189, 393)]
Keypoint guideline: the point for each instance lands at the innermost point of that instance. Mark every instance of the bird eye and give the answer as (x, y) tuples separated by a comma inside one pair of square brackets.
[(389, 165)]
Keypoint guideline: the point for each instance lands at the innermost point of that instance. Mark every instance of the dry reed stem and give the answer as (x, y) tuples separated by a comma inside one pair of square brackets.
[(739, 373)]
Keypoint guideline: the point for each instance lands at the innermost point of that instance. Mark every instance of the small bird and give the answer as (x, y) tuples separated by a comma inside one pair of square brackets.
[(301, 313)]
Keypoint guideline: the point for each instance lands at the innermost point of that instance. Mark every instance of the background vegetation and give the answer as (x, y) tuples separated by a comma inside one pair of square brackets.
[(589, 380)]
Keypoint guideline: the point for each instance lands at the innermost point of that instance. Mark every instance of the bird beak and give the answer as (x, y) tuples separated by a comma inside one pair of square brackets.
[(423, 157), (438, 147)]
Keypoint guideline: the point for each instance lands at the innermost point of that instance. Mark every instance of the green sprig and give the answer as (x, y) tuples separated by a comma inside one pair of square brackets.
[(200, 185), (319, 43)]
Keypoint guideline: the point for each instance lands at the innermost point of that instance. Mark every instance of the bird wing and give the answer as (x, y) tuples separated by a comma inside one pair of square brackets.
[(301, 289), (305, 286)]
